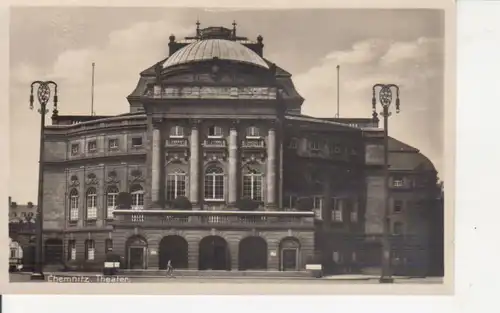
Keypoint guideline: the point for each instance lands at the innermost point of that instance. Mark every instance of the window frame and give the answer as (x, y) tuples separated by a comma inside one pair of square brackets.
[(214, 183), (94, 146), (215, 128), (256, 180), (178, 177), (177, 131), (111, 193), (91, 196), (74, 205)]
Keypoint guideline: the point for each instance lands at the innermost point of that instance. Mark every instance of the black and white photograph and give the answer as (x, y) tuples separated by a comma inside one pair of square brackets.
[(228, 146)]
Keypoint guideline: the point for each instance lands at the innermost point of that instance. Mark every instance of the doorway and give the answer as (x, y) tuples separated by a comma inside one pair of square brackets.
[(214, 254), (137, 249), (252, 254), (175, 249), (290, 254), (54, 251)]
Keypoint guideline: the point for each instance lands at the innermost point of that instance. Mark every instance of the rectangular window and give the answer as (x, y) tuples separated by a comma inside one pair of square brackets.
[(397, 181), (113, 144), (337, 257), (75, 149), (398, 206), (71, 250), (176, 185), (214, 187), (136, 141), (289, 202), (177, 132), (293, 143), (338, 205), (318, 207), (354, 212), (74, 208), (92, 146), (111, 203), (215, 132), (108, 245), (90, 250), (252, 186), (314, 145), (91, 207), (13, 252)]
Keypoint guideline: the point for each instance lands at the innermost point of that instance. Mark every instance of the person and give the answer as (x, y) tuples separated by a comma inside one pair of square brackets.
[(170, 269)]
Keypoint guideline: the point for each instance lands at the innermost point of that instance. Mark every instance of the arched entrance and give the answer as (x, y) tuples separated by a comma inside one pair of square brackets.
[(252, 254), (289, 254), (214, 254), (174, 248), (137, 251), (54, 251)]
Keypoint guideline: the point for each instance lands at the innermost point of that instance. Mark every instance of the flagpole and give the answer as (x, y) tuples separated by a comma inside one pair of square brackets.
[(92, 99), (338, 91)]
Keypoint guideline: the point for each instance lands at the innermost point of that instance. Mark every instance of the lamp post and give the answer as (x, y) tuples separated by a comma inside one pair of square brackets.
[(43, 96), (385, 98)]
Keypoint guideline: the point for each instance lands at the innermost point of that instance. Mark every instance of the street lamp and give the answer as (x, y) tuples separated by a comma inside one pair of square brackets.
[(385, 97), (43, 95)]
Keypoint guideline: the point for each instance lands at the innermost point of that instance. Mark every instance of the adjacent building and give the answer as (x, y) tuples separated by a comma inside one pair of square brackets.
[(216, 122)]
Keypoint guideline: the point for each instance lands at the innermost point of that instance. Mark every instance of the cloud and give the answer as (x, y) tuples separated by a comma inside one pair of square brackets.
[(416, 66), (118, 64)]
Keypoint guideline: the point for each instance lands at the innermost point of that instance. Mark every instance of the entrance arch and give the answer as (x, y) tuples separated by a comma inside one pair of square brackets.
[(136, 249), (214, 254), (289, 254), (54, 251), (252, 254), (174, 248)]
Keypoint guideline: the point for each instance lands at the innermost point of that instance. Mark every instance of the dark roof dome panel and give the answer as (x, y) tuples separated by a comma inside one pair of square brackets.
[(204, 50)]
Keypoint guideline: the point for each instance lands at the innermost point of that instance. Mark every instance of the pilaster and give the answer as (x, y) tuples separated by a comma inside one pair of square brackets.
[(271, 167), (194, 163), (233, 164)]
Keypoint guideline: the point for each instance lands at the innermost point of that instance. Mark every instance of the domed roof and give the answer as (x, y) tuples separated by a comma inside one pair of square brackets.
[(208, 49)]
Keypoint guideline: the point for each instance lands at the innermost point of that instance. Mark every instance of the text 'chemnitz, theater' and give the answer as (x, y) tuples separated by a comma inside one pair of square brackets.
[(223, 172)]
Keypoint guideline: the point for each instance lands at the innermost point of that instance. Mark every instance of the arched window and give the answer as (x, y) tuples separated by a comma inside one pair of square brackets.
[(214, 183), (176, 184), (73, 205), (214, 132), (111, 196), (91, 204), (252, 132), (176, 132), (252, 185), (137, 197)]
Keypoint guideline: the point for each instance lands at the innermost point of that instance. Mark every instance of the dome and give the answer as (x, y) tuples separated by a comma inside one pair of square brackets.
[(208, 49)]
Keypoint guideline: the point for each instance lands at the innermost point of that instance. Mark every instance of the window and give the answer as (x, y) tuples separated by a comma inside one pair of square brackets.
[(337, 257), (71, 250), (252, 185), (111, 196), (314, 145), (75, 149), (176, 132), (136, 141), (89, 250), (92, 146), (354, 257), (13, 252), (73, 205), (290, 202), (252, 132), (398, 182), (91, 204), (318, 207), (397, 228), (113, 144), (214, 132), (354, 211), (293, 143), (398, 206), (338, 205), (176, 184), (214, 183), (137, 197), (108, 245)]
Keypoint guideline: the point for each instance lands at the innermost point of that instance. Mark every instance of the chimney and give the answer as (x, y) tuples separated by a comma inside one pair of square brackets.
[(172, 45)]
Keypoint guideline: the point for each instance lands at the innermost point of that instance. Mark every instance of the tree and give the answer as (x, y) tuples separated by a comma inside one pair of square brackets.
[(181, 203), (124, 200), (247, 204)]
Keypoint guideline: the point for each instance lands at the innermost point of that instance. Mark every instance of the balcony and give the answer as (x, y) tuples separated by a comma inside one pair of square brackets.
[(213, 219), (253, 144), (176, 143), (214, 143)]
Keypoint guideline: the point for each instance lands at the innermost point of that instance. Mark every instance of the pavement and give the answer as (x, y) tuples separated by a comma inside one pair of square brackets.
[(99, 278)]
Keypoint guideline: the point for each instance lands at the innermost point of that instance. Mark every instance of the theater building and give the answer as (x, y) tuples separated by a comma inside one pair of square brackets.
[(217, 122)]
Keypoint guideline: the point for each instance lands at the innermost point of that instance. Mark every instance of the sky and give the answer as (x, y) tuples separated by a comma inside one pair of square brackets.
[(404, 47)]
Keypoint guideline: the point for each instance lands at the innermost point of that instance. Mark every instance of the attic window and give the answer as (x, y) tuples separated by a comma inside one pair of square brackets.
[(214, 132)]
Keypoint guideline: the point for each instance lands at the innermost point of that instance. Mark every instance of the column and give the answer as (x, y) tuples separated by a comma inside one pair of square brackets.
[(155, 166), (194, 165), (233, 163), (271, 167)]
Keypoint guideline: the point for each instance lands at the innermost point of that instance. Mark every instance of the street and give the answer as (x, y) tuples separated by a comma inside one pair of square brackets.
[(23, 277)]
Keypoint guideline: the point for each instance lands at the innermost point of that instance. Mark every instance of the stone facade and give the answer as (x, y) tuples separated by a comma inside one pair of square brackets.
[(216, 130)]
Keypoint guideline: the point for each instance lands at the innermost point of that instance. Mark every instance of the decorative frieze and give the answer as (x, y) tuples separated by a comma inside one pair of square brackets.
[(213, 92)]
